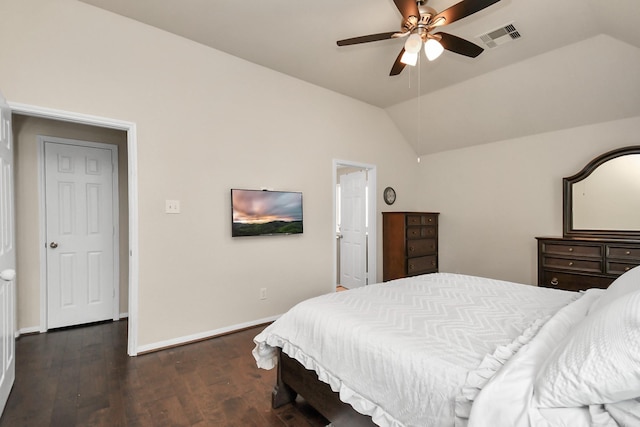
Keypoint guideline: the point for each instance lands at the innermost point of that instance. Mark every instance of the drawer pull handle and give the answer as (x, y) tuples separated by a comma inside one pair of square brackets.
[(554, 281), (433, 263), (410, 266), (410, 248), (627, 268), (570, 263), (628, 253), (570, 249)]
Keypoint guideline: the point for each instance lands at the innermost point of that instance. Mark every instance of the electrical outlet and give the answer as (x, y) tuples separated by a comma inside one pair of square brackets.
[(263, 293)]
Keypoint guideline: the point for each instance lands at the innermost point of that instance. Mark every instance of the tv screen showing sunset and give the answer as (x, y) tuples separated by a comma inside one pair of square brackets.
[(257, 212)]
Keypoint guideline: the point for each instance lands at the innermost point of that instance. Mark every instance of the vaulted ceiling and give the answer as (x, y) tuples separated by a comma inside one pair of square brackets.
[(577, 61)]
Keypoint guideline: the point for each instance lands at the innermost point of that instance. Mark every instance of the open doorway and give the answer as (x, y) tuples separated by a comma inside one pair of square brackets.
[(35, 121), (355, 224)]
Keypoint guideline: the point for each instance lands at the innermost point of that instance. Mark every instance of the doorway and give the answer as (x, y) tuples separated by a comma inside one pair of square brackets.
[(354, 224), (75, 126)]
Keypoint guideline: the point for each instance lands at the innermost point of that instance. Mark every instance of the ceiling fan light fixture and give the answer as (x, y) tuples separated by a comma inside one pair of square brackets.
[(433, 49), (413, 43), (409, 58), (441, 20)]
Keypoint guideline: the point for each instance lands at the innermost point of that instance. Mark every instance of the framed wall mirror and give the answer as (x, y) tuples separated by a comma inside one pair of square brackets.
[(603, 199)]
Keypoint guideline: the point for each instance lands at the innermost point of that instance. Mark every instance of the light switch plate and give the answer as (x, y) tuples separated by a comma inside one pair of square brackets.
[(172, 206)]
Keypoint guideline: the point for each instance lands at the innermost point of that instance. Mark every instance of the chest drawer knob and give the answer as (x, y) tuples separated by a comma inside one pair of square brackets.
[(570, 263), (570, 249), (554, 281), (627, 253), (410, 248), (627, 268)]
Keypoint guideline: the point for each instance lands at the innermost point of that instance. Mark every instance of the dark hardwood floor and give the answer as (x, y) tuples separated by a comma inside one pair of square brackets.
[(83, 377)]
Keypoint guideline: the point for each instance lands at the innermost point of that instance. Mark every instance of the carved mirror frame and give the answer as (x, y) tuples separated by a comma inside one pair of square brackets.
[(567, 198)]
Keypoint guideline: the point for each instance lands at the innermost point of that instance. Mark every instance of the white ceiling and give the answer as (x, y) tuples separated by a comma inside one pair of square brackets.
[(457, 108)]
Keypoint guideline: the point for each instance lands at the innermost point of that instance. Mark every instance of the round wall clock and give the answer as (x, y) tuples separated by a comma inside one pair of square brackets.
[(389, 195)]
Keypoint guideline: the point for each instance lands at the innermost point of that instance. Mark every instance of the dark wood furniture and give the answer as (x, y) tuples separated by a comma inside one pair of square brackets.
[(294, 379), (409, 244), (594, 250), (575, 264)]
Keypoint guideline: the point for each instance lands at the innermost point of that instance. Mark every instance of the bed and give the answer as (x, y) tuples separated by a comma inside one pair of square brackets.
[(455, 350)]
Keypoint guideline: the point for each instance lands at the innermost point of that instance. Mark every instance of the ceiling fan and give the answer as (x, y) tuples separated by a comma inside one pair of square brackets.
[(418, 23)]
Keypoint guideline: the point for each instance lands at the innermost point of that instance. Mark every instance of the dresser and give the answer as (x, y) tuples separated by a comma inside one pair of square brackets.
[(409, 244), (576, 264)]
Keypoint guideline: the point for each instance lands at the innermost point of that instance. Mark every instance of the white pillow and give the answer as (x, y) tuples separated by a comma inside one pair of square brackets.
[(625, 284), (597, 362)]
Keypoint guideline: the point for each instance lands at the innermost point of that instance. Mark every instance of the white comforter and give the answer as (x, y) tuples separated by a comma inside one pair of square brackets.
[(415, 351), (508, 398)]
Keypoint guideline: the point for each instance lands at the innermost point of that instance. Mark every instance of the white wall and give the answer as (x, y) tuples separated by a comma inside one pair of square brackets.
[(496, 198), (206, 122)]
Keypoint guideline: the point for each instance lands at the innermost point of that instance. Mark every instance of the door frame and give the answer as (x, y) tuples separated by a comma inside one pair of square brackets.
[(42, 214), (132, 154), (372, 241)]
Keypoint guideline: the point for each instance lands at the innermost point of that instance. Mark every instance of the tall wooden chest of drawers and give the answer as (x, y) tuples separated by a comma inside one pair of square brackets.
[(576, 264), (409, 244)]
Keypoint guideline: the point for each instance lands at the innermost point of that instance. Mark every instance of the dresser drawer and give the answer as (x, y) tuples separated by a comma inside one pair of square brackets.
[(426, 219), (421, 247), (582, 263), (421, 232), (409, 244), (623, 252), (573, 282), (423, 264), (573, 250), (572, 264), (618, 268)]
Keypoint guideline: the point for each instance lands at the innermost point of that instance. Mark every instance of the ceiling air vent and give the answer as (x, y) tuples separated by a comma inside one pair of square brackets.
[(500, 36)]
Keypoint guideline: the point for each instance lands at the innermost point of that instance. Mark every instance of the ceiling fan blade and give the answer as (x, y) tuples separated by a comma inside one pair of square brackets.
[(397, 66), (407, 8), (366, 39), (457, 45), (461, 10)]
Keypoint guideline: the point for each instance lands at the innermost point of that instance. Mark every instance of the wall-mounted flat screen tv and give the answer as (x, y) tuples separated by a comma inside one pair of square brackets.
[(265, 213)]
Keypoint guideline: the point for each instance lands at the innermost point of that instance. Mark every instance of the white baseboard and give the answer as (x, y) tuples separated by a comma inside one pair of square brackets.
[(37, 330), (203, 335), (30, 330)]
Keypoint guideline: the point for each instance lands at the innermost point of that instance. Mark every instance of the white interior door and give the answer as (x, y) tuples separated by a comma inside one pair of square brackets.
[(80, 231), (353, 230), (7, 257)]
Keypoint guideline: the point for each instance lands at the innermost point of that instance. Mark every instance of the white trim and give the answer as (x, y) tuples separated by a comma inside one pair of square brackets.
[(372, 245), (42, 139), (31, 330), (132, 153), (42, 233), (204, 335)]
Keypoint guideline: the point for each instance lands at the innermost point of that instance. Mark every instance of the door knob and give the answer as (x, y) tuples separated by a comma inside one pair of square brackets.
[(53, 245), (8, 274)]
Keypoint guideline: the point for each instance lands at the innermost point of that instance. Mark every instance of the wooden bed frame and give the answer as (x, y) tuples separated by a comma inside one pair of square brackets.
[(294, 379)]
